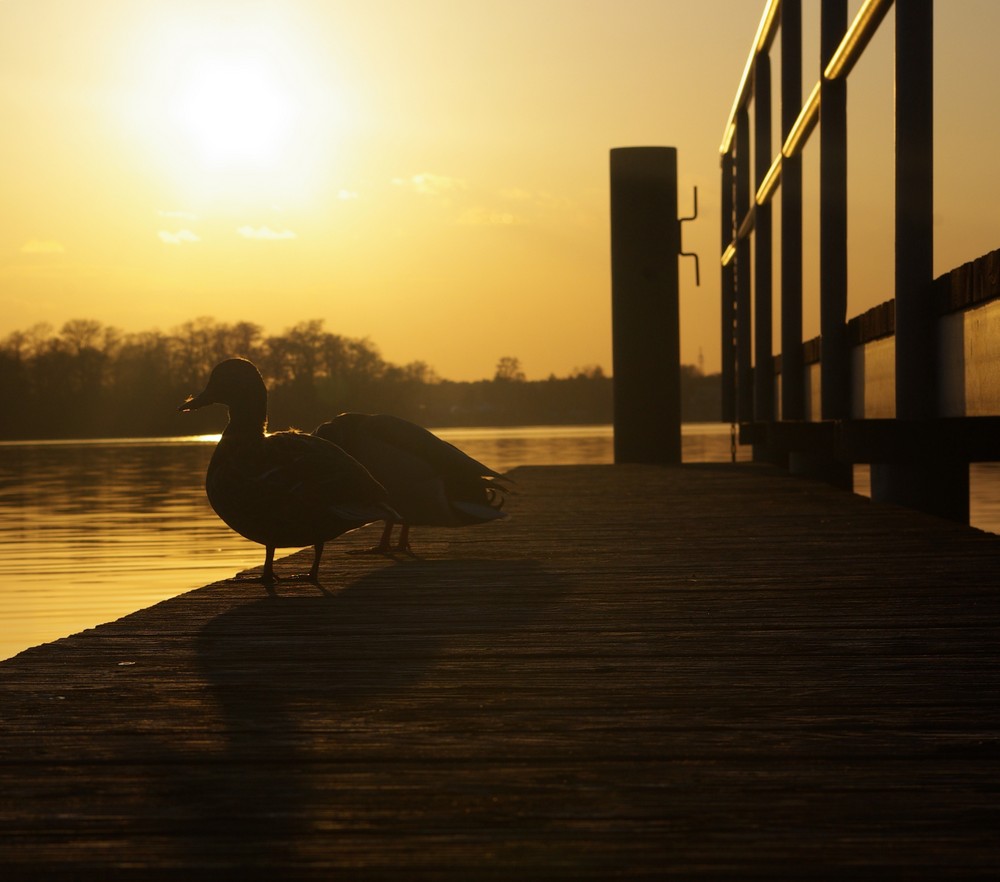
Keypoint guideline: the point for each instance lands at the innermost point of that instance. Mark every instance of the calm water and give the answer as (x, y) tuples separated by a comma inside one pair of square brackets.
[(91, 531)]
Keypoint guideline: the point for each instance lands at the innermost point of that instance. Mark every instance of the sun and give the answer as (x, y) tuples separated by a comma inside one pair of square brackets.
[(236, 112), (228, 112)]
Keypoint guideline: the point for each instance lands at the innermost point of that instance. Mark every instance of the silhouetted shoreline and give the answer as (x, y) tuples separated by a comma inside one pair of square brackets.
[(93, 381)]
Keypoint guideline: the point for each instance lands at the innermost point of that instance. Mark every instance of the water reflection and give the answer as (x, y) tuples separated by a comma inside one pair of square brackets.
[(984, 493), (507, 448), (91, 531)]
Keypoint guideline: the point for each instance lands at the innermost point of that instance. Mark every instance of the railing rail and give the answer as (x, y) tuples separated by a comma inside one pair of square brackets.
[(849, 50), (931, 481)]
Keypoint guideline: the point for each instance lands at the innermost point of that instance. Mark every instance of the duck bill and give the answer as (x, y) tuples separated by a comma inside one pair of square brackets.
[(196, 401)]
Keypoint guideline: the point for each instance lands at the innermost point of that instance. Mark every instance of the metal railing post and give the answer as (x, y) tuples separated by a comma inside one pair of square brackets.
[(792, 367), (835, 365), (744, 373), (934, 485), (916, 367), (763, 253), (728, 307)]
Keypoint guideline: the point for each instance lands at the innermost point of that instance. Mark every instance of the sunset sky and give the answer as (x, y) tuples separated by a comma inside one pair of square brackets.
[(429, 174)]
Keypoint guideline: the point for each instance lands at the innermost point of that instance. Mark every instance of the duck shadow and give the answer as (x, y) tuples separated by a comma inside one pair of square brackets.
[(379, 633), (308, 685)]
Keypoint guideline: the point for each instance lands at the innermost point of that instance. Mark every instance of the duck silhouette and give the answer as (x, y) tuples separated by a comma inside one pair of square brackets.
[(430, 482), (286, 489)]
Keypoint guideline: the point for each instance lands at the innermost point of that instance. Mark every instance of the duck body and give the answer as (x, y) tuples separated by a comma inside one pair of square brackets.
[(429, 481), (290, 489), (286, 489)]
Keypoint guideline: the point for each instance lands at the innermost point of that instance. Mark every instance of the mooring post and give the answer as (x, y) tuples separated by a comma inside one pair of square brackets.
[(645, 305)]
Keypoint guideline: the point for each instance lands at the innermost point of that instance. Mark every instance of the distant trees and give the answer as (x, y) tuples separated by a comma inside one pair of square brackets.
[(92, 380), (509, 371)]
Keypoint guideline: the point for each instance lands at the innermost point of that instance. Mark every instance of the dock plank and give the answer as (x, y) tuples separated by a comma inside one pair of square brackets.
[(694, 672)]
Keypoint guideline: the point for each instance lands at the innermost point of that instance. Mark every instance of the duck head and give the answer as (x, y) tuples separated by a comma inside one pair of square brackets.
[(237, 383)]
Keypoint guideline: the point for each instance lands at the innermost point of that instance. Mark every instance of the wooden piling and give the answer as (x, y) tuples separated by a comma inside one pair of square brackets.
[(645, 305)]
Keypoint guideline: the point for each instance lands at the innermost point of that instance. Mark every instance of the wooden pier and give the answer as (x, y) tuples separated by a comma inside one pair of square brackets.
[(646, 672)]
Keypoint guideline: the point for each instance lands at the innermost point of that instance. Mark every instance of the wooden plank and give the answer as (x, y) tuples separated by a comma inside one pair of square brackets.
[(646, 672)]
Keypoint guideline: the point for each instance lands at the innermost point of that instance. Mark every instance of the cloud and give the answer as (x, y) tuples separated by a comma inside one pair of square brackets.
[(248, 232), (177, 215), (428, 184), (178, 238), (484, 217), (42, 246), (516, 194)]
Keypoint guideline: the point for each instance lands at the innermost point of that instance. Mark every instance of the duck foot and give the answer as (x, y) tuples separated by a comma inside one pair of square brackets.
[(374, 549), (402, 545), (254, 578), (385, 550)]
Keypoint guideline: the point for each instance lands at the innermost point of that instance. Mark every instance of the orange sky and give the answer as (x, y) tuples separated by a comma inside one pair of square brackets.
[(431, 175)]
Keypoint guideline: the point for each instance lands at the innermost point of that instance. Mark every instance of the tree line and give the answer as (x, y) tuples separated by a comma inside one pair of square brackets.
[(90, 380)]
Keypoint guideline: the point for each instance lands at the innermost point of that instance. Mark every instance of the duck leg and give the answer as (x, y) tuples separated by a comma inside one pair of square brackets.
[(268, 577), (404, 539), (313, 575), (383, 543), (383, 546)]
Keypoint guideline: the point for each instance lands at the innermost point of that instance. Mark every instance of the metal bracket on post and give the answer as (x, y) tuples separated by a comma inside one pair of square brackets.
[(697, 270)]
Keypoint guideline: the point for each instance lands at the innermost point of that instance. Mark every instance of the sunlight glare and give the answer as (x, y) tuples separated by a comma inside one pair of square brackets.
[(236, 111)]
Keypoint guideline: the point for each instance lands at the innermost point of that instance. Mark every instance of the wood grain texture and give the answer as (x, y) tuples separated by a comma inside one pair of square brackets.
[(644, 673)]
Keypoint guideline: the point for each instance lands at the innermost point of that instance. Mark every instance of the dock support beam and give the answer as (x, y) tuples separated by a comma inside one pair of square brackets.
[(645, 305), (940, 487)]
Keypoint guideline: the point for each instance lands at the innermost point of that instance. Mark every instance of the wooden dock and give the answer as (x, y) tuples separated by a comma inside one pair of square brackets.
[(645, 673)]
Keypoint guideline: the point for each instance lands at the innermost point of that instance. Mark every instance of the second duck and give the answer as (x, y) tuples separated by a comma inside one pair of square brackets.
[(429, 481)]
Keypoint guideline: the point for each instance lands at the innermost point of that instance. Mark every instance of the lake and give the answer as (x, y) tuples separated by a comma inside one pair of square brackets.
[(93, 530)]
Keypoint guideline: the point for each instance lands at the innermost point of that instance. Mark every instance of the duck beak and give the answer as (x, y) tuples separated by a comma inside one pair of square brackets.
[(193, 402)]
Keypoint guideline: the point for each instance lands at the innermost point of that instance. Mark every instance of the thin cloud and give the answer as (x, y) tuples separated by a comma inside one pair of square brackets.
[(428, 184), (516, 194), (42, 246), (178, 238), (177, 215), (266, 233), (483, 217)]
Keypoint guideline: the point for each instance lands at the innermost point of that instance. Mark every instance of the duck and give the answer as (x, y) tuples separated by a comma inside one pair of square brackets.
[(429, 481), (286, 489)]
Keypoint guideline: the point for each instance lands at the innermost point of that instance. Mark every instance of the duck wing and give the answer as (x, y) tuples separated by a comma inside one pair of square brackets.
[(429, 480), (316, 471)]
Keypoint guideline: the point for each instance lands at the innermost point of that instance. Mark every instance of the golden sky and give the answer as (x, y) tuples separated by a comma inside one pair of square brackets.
[(429, 174)]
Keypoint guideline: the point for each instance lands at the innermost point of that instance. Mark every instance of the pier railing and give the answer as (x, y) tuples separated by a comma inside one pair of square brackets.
[(912, 386)]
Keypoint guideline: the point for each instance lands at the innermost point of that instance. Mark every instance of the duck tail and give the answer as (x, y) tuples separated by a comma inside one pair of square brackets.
[(496, 490)]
